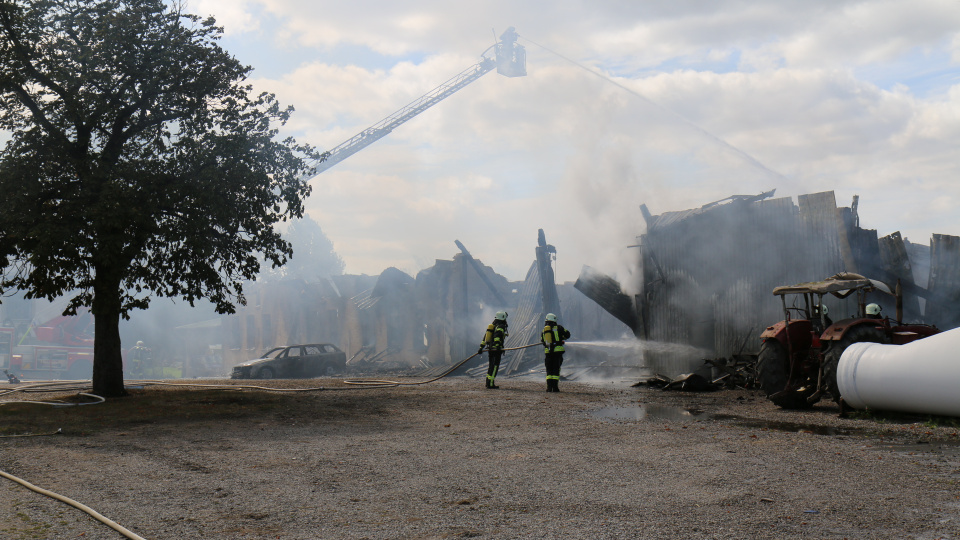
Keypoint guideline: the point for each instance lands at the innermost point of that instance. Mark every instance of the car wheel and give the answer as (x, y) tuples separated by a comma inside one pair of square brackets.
[(265, 373), (330, 370)]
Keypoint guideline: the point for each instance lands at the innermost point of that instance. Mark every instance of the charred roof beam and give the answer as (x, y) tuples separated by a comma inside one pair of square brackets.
[(483, 276)]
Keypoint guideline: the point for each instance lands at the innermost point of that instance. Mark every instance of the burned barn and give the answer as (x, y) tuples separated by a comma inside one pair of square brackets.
[(395, 321), (289, 311), (706, 274)]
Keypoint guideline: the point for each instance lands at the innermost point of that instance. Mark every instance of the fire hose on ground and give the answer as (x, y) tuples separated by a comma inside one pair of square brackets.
[(352, 384), (373, 383), (72, 385), (93, 513)]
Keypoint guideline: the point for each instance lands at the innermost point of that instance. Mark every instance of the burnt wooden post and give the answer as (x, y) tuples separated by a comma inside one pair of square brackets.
[(548, 286), (483, 277)]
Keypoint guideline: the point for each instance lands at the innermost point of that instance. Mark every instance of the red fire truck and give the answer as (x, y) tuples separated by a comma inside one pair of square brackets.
[(61, 348)]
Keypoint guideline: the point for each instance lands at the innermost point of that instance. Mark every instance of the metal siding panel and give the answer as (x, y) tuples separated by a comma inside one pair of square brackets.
[(720, 266), (945, 279)]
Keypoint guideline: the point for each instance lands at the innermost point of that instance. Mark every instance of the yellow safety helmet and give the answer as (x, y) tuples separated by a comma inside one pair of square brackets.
[(551, 317), (873, 309)]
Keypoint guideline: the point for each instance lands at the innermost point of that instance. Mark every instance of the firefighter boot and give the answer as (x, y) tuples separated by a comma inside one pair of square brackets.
[(556, 385)]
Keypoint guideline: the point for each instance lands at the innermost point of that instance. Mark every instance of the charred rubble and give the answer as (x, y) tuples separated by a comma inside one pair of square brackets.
[(705, 276), (397, 322)]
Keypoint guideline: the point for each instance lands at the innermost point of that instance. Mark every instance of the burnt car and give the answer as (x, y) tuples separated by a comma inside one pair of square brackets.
[(294, 362)]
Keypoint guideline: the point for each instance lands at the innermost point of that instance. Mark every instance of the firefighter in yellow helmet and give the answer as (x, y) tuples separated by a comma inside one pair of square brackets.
[(873, 311), (553, 337), (493, 340)]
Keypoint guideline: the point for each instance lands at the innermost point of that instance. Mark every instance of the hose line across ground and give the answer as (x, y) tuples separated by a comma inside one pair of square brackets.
[(93, 513), (73, 385), (374, 383), (355, 384)]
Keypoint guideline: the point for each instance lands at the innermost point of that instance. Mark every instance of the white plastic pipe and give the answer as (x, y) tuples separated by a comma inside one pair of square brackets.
[(919, 377)]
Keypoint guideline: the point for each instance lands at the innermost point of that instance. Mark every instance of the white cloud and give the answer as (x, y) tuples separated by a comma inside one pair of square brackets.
[(870, 32), (563, 150), (235, 16)]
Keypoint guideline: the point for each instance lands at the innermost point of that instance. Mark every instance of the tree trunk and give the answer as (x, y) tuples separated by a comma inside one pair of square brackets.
[(107, 358)]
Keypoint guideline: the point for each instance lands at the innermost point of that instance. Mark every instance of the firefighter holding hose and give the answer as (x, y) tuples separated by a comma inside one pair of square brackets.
[(553, 338), (493, 340)]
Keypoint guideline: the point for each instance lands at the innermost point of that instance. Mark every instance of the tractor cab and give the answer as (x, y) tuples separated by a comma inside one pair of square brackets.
[(799, 355)]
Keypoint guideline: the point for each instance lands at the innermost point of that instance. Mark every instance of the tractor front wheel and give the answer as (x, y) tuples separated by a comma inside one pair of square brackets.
[(773, 374), (831, 359)]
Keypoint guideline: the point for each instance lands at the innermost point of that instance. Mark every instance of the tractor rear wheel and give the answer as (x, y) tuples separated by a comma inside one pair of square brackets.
[(773, 373), (831, 359)]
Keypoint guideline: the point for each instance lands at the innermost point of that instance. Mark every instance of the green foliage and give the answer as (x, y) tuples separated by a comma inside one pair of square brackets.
[(139, 162), (897, 417), (942, 421)]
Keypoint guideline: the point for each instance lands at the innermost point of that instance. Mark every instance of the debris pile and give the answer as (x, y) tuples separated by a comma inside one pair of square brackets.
[(395, 322)]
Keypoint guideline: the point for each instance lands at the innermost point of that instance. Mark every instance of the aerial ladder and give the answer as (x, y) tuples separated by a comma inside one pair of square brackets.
[(510, 60)]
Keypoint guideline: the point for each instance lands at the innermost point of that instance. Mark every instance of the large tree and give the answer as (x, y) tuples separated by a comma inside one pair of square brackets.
[(139, 163)]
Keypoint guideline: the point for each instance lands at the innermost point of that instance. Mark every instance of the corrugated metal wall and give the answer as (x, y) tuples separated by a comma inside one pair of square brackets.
[(709, 273), (945, 280), (525, 323), (896, 263)]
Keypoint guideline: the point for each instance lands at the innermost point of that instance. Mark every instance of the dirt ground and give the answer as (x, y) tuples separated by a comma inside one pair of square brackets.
[(453, 460)]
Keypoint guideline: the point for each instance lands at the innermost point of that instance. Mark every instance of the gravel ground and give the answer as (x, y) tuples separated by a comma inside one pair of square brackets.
[(453, 460)]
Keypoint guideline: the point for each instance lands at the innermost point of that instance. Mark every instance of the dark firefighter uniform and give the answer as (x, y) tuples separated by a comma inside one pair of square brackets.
[(553, 338), (493, 340), (137, 360)]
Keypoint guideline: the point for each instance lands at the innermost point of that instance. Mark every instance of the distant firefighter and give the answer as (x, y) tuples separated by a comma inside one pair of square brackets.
[(873, 311), (553, 338), (137, 360), (493, 340)]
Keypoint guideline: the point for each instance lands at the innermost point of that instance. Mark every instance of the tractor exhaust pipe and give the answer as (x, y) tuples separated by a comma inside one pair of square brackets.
[(919, 377)]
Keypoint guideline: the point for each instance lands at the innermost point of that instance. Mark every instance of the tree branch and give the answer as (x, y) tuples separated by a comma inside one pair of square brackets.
[(21, 51)]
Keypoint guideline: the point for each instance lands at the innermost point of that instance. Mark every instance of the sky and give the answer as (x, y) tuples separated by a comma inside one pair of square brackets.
[(672, 104)]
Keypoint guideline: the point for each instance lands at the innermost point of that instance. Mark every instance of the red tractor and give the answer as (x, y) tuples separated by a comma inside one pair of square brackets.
[(800, 354)]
